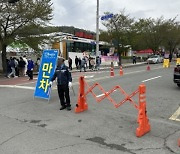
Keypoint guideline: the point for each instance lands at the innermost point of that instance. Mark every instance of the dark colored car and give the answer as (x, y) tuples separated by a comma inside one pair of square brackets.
[(177, 75)]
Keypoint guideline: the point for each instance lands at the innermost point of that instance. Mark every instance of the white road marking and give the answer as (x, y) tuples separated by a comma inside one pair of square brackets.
[(21, 84), (87, 77), (108, 77), (100, 95), (103, 94), (177, 120), (157, 68), (135, 72), (175, 116), (75, 83), (15, 86), (152, 79)]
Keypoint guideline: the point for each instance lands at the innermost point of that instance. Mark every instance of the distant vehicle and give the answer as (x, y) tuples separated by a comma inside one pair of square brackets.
[(155, 59), (177, 75)]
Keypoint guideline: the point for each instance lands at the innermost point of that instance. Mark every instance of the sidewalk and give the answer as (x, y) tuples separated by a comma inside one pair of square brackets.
[(106, 67)]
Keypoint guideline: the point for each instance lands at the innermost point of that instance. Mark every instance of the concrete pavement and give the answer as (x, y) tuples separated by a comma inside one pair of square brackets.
[(36, 126)]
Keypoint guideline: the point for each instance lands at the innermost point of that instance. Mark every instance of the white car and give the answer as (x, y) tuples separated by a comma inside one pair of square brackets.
[(155, 59)]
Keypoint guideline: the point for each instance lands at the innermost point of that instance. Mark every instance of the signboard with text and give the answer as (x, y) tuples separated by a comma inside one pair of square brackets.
[(46, 71), (109, 58), (106, 17)]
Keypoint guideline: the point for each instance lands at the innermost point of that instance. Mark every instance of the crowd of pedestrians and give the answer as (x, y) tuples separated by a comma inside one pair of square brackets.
[(84, 63), (19, 67)]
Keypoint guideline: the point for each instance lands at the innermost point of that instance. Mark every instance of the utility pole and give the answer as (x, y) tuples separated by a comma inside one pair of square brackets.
[(97, 29)]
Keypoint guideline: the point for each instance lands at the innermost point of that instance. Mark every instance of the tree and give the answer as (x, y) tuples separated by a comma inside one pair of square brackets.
[(119, 28), (171, 35), (105, 36), (22, 16), (150, 32), (138, 35), (35, 36), (156, 33)]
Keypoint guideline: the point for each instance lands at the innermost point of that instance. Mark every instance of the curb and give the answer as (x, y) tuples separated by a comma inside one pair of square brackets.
[(104, 67), (115, 67)]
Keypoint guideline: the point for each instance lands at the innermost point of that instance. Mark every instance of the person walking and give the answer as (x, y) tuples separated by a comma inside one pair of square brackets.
[(76, 62), (70, 63), (92, 62), (16, 62), (12, 65), (98, 63), (134, 59), (8, 67), (30, 68), (79, 63), (86, 61), (64, 82), (170, 57), (38, 64), (83, 61), (26, 63), (21, 66), (89, 59)]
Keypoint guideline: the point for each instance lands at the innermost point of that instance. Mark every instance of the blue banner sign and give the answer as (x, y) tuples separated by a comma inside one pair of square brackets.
[(106, 17), (46, 71)]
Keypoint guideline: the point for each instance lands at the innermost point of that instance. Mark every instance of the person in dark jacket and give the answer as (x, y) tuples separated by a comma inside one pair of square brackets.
[(98, 62), (170, 57), (30, 68), (70, 63), (64, 81), (79, 61), (38, 64), (8, 67), (134, 59), (12, 65), (21, 66), (76, 62), (16, 62)]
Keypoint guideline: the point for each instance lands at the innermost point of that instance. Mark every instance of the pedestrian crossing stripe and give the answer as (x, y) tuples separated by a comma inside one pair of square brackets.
[(175, 116)]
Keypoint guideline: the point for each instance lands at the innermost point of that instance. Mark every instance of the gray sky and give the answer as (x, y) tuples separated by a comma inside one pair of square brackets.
[(82, 13)]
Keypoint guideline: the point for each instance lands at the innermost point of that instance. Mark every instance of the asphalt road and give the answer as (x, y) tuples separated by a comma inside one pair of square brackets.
[(37, 126)]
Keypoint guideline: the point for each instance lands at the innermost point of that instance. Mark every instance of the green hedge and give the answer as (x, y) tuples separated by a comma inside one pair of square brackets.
[(126, 57)]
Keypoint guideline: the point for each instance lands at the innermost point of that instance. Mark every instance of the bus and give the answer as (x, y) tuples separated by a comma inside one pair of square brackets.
[(72, 46)]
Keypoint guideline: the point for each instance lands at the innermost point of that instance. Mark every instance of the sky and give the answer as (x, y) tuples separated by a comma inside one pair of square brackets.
[(82, 13)]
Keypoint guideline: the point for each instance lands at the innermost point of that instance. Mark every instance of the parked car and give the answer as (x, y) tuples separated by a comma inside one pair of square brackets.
[(177, 75), (155, 59)]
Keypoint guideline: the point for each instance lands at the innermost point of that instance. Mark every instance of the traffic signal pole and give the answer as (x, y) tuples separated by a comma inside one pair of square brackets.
[(97, 29)]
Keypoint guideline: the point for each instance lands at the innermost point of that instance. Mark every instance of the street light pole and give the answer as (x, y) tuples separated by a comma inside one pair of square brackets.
[(97, 29)]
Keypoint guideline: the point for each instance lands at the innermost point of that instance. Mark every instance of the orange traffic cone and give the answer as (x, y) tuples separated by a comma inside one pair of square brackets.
[(144, 125), (81, 104), (148, 68), (121, 71), (112, 72)]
